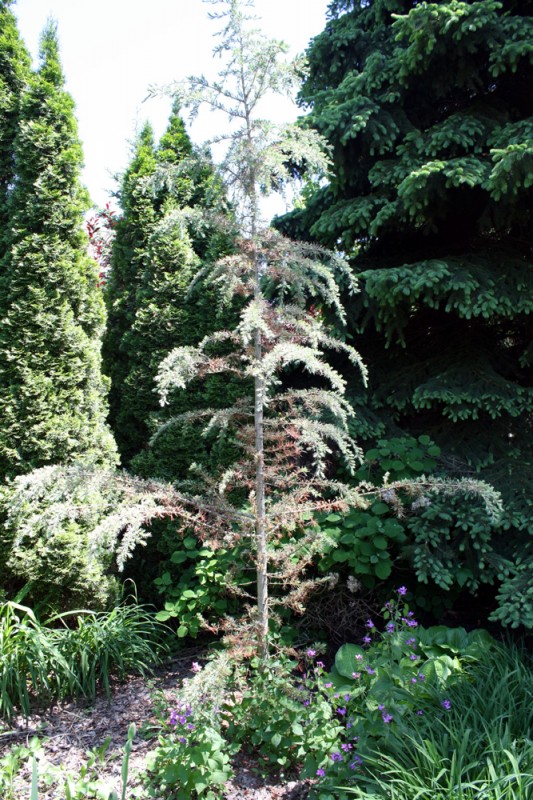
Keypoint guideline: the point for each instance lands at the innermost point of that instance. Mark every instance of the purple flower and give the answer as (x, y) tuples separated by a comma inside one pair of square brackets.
[(381, 707), (341, 711), (420, 712), (421, 677), (413, 680), (320, 664), (311, 653), (370, 624), (346, 747), (390, 626), (336, 756), (412, 623), (356, 761), (386, 718), (328, 685), (195, 667), (347, 697), (307, 702), (320, 772), (367, 639), (190, 726), (411, 642), (446, 704), (413, 657), (358, 657), (173, 717), (371, 671), (402, 591), (356, 675), (182, 740)]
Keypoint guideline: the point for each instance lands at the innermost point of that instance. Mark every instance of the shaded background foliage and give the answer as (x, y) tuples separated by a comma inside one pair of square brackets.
[(427, 108)]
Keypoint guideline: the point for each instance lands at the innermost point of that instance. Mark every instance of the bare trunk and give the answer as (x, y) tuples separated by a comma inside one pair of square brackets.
[(259, 398), (260, 520), (260, 512)]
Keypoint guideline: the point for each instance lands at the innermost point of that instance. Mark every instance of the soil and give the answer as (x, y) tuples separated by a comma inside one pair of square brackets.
[(70, 731)]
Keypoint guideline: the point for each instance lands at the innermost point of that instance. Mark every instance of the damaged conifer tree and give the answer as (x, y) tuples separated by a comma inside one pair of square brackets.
[(284, 434)]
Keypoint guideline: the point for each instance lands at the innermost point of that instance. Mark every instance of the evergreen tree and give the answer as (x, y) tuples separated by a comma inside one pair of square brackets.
[(129, 259), (156, 255), (427, 107), (14, 73), (52, 394), (263, 501)]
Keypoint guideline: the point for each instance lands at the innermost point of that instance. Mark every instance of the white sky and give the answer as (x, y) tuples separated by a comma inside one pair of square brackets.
[(112, 50)]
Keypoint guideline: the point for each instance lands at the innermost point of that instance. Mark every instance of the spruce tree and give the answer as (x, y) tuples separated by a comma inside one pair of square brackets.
[(52, 393), (427, 107), (14, 73)]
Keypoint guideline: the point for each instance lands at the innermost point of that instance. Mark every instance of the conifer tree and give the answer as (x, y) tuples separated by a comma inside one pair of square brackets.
[(14, 73), (155, 257), (276, 431), (427, 108), (52, 393), (129, 259)]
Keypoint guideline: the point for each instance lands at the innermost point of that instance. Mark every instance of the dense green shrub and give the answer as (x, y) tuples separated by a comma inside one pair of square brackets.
[(195, 586), (46, 544), (448, 541)]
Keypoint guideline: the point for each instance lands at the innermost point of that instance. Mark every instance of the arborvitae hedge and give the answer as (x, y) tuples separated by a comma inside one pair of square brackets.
[(14, 74), (129, 259), (428, 108), (159, 247), (52, 394)]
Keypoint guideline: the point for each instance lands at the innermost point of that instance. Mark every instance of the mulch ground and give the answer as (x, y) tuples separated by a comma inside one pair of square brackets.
[(68, 732)]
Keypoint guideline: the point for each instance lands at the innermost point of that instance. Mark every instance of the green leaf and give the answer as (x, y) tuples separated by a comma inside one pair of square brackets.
[(380, 508), (189, 543), (297, 729), (178, 557), (383, 569), (345, 659), (380, 542), (182, 631)]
